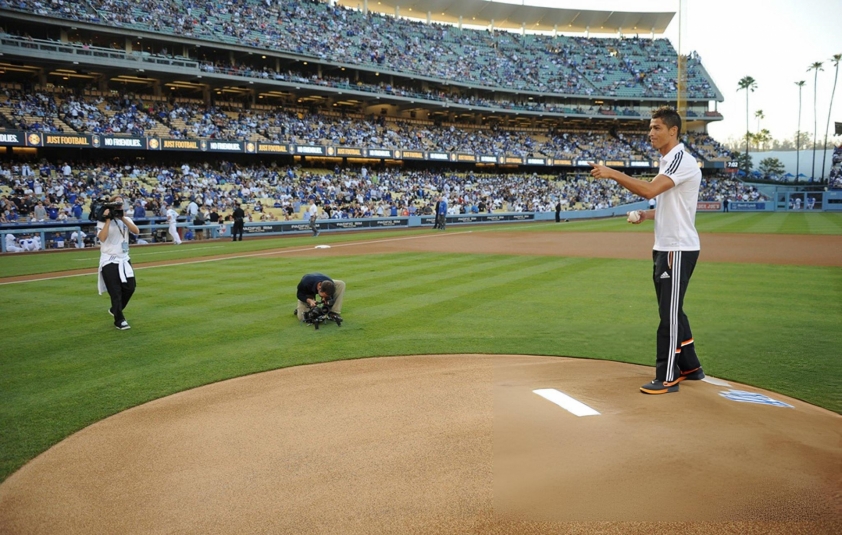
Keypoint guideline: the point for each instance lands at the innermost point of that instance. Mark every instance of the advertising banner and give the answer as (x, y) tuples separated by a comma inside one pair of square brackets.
[(481, 218), (115, 142), (390, 222), (350, 151), (181, 144), (67, 140), (268, 148), (324, 224), (308, 150), (345, 224), (746, 206), (410, 154), (379, 153), (12, 138), (225, 146), (709, 206)]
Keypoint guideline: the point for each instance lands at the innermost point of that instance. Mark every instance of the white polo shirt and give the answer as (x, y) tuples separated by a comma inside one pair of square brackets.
[(675, 215)]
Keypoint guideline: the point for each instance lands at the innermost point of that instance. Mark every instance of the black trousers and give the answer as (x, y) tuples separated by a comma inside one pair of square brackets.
[(676, 351), (120, 292), (237, 229)]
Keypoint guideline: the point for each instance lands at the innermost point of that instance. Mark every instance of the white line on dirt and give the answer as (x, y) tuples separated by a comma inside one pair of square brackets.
[(252, 255), (567, 403)]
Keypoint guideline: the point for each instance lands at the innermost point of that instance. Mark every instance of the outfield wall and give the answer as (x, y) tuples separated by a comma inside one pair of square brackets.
[(55, 235)]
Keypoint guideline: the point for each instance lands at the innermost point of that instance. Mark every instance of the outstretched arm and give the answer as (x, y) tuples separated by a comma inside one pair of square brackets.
[(647, 190)]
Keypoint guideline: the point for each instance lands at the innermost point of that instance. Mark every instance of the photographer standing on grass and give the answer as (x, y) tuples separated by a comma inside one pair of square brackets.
[(312, 284), (116, 275)]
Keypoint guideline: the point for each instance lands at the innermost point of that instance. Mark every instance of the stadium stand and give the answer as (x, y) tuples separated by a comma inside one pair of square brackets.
[(270, 190), (631, 67), (303, 73), (835, 176)]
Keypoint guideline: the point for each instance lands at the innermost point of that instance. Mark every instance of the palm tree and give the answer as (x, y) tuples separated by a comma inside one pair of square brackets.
[(800, 85), (836, 58), (816, 66), (759, 116), (749, 84)]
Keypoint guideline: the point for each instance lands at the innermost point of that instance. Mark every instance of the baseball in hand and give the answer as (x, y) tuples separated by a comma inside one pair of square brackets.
[(633, 216)]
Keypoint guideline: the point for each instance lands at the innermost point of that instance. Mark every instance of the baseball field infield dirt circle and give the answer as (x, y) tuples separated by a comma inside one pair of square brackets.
[(442, 444)]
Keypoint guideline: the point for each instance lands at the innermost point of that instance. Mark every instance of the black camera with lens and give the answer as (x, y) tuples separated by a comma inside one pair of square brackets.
[(99, 206), (321, 313)]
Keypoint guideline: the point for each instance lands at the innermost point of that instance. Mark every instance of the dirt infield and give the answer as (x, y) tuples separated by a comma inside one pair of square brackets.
[(454, 443), (816, 250)]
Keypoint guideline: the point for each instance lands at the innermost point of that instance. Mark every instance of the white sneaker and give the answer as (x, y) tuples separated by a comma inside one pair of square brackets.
[(124, 326)]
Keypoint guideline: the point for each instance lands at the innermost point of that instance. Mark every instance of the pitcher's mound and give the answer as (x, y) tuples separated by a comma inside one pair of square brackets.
[(442, 444)]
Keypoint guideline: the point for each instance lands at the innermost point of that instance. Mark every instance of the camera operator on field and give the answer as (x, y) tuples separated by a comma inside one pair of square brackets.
[(116, 275), (331, 292)]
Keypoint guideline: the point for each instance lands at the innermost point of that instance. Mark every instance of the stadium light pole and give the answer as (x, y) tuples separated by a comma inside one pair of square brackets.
[(800, 85), (681, 86)]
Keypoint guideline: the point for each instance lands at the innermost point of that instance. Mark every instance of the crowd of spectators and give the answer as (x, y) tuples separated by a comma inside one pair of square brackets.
[(58, 191), (835, 177), (31, 112), (105, 116), (629, 66), (131, 114), (454, 95), (723, 187)]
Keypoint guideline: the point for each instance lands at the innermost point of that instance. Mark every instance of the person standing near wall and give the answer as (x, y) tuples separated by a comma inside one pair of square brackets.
[(239, 222), (313, 213), (172, 219), (442, 213)]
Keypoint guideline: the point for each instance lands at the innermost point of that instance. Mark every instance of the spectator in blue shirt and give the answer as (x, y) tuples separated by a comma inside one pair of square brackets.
[(139, 211), (77, 209)]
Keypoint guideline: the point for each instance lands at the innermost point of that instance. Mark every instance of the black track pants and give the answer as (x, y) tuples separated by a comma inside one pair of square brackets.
[(120, 292), (675, 348)]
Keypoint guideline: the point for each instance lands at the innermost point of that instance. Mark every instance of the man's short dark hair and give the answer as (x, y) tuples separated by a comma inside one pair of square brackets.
[(328, 288), (668, 116)]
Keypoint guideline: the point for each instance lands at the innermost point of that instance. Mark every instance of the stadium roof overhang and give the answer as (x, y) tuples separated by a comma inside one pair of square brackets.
[(519, 16)]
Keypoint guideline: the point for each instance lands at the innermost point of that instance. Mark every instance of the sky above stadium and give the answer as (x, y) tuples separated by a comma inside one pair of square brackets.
[(773, 41)]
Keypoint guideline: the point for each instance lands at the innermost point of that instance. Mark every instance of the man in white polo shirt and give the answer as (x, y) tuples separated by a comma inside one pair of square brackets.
[(676, 249)]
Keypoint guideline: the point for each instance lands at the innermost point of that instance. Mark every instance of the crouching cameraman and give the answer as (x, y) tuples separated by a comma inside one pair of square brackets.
[(312, 284), (116, 275)]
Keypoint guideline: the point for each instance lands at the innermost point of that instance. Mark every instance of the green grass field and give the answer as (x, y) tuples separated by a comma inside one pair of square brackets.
[(65, 366)]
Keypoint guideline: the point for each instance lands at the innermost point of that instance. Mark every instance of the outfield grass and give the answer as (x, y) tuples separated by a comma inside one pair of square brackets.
[(65, 367)]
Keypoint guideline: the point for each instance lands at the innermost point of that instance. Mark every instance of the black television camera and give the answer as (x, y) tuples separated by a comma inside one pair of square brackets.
[(321, 313), (99, 206)]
